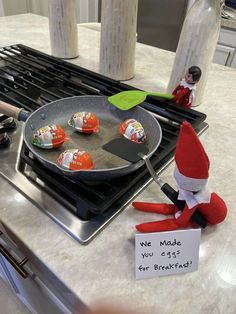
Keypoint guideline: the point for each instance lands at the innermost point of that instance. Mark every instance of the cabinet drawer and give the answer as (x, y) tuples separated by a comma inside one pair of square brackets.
[(224, 55), (41, 291), (227, 37), (233, 64)]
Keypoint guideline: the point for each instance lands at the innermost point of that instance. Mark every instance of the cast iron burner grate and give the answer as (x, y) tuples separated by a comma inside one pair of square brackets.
[(30, 79)]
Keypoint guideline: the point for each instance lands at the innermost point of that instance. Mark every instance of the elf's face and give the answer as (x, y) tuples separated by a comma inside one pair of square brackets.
[(189, 78)]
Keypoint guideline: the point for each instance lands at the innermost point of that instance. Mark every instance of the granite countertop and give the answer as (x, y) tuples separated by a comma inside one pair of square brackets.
[(104, 270), (228, 23)]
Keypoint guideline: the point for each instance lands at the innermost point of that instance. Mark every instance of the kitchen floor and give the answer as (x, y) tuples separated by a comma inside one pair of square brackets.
[(10, 304)]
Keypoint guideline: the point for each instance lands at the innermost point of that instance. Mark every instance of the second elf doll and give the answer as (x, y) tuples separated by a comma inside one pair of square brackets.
[(184, 93)]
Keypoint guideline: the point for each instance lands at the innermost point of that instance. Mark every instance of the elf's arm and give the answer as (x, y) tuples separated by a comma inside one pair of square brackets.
[(186, 215)]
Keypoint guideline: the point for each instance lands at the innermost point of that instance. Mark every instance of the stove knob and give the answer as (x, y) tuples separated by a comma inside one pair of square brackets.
[(9, 124), (4, 138)]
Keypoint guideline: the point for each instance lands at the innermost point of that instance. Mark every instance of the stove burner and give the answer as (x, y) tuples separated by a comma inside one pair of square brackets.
[(4, 138)]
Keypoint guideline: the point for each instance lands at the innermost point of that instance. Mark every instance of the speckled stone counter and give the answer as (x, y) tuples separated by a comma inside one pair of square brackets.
[(104, 270), (228, 24)]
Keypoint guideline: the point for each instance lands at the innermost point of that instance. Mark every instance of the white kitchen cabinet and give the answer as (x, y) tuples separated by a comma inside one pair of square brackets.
[(41, 292), (9, 303), (225, 53), (227, 37), (233, 64)]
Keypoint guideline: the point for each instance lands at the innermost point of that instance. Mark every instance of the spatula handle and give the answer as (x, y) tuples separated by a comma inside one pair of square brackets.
[(165, 96), (173, 196)]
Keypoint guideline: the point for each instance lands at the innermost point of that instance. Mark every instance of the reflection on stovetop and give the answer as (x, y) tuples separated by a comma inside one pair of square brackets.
[(30, 79)]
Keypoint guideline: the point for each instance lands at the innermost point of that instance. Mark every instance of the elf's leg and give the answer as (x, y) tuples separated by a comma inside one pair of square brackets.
[(162, 225), (159, 208)]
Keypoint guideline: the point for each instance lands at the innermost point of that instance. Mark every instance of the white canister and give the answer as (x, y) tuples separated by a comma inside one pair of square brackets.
[(118, 38), (63, 28), (197, 44)]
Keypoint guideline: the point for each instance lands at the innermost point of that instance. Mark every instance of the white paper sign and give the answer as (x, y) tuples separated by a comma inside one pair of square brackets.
[(166, 253)]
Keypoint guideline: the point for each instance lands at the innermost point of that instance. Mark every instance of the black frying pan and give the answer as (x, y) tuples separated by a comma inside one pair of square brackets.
[(107, 166)]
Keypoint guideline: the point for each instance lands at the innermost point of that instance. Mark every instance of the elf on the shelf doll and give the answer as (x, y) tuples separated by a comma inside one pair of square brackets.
[(191, 174), (184, 93)]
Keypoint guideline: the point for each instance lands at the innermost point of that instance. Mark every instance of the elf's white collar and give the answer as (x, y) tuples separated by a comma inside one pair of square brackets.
[(193, 199), (187, 85)]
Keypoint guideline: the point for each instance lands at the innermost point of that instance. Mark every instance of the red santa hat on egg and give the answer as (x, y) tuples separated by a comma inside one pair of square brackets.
[(192, 163)]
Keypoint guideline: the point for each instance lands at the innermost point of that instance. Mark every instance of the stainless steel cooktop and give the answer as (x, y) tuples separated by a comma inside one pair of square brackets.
[(82, 230), (30, 79)]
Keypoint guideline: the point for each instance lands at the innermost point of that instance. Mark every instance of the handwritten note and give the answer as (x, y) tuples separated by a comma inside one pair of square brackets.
[(166, 253)]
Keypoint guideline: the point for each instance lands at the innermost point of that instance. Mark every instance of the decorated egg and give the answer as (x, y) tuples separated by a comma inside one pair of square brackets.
[(133, 130), (84, 122), (49, 136), (74, 159)]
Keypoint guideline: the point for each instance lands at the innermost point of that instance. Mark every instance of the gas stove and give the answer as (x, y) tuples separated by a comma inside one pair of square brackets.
[(29, 79)]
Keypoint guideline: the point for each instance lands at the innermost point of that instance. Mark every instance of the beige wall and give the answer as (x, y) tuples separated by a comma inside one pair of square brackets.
[(39, 7), (87, 10), (11, 7)]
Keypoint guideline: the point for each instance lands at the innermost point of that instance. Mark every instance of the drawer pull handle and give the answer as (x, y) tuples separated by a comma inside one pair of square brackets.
[(14, 263)]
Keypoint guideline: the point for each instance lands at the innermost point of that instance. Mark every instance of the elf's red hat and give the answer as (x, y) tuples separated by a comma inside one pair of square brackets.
[(191, 158)]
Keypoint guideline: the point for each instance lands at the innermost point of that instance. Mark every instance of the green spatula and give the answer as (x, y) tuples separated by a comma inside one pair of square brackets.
[(131, 98)]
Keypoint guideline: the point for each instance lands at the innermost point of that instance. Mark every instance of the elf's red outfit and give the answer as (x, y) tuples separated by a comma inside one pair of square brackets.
[(191, 174), (184, 94)]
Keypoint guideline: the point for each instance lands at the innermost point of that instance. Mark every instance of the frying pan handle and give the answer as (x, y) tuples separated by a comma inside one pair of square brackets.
[(12, 111)]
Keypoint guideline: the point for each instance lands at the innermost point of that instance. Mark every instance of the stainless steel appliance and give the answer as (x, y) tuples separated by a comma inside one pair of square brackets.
[(30, 79), (160, 22)]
